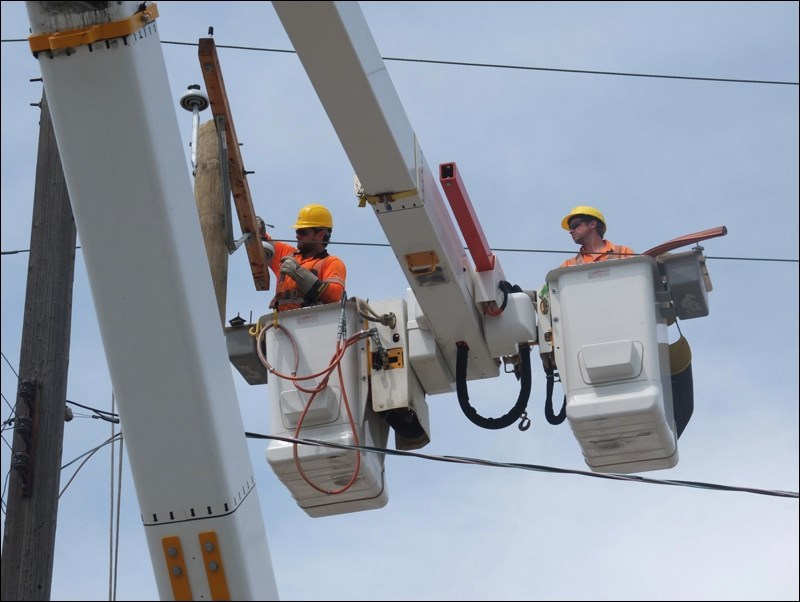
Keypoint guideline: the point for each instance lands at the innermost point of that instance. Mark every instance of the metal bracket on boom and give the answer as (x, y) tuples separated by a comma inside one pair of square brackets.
[(384, 198)]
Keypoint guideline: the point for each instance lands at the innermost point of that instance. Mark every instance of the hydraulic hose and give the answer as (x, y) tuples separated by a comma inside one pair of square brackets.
[(548, 401), (517, 412)]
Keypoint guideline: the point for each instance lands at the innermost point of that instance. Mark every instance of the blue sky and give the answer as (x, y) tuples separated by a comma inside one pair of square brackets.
[(660, 157)]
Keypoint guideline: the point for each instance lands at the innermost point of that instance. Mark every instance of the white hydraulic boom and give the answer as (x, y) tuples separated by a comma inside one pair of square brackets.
[(117, 132), (337, 50)]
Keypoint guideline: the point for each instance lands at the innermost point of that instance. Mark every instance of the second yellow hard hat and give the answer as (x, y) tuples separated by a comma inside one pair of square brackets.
[(582, 210)]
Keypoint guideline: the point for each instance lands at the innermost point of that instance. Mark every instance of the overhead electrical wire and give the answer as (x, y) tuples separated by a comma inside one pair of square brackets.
[(495, 66), (107, 416), (497, 250), (13, 409), (519, 67), (9, 365), (461, 460), (88, 455), (500, 66), (532, 467)]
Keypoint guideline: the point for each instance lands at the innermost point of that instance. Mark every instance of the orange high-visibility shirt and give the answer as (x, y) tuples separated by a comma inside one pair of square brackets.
[(609, 251), (328, 268)]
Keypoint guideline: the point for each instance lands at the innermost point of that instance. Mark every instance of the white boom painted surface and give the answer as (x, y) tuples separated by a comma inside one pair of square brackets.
[(134, 208), (342, 61)]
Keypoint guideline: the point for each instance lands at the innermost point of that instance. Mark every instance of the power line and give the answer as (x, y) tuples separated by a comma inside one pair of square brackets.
[(497, 250), (109, 416), (9, 365), (502, 66), (497, 66), (103, 415), (532, 467), (88, 455), (13, 411), (93, 450), (520, 67)]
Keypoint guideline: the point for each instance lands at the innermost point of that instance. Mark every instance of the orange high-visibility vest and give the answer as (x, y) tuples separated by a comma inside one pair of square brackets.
[(329, 269), (609, 251)]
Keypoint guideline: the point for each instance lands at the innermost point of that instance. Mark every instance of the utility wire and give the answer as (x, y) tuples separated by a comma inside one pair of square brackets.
[(113, 531), (9, 365), (500, 66), (499, 250), (496, 66), (93, 450), (10, 447), (13, 409), (6, 480), (591, 72), (523, 466), (88, 455), (12, 416), (519, 67), (24, 251), (108, 416)]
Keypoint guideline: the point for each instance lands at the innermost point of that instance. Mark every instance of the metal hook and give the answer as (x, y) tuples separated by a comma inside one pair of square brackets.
[(524, 422)]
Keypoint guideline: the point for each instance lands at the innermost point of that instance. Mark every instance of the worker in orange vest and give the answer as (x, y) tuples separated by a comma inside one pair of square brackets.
[(307, 274), (587, 226)]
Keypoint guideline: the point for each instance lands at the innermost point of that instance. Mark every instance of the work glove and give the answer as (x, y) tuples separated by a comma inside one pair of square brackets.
[(305, 279), (269, 249), (262, 226)]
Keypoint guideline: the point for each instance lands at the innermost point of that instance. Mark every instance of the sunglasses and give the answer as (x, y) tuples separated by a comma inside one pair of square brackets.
[(573, 225), (304, 231)]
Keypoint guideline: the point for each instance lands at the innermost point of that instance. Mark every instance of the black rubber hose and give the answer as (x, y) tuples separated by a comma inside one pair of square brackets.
[(548, 401), (462, 353)]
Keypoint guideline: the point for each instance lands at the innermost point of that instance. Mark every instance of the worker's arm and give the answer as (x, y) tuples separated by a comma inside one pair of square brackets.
[(282, 250), (334, 274), (323, 286)]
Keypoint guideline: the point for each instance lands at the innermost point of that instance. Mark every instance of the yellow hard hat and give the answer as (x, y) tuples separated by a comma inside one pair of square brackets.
[(314, 216), (582, 210)]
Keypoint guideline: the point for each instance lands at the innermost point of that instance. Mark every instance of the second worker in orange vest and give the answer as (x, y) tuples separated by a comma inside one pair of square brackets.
[(587, 226), (307, 274)]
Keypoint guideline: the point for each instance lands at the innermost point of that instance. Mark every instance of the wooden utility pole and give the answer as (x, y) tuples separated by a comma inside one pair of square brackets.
[(31, 518), (211, 209)]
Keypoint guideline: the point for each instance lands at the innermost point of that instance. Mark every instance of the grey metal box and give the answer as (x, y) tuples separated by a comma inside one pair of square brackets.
[(242, 353)]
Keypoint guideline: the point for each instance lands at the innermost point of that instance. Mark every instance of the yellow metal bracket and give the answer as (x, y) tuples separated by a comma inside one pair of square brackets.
[(84, 36), (176, 567), (363, 199), (212, 560)]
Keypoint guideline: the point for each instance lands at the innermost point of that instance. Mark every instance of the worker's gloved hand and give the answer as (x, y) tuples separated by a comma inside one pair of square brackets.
[(306, 281), (269, 249), (262, 226)]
